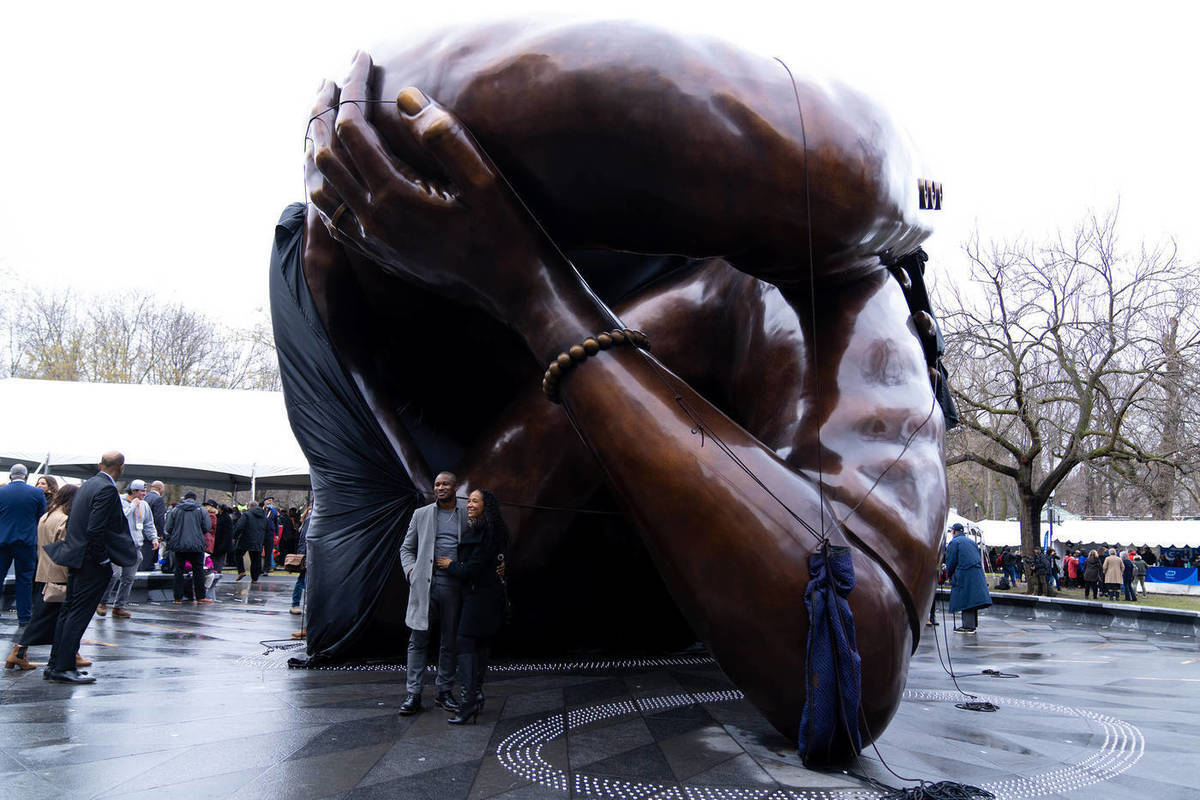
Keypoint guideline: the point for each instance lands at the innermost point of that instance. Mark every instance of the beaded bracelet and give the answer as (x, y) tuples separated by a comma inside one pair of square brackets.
[(579, 353)]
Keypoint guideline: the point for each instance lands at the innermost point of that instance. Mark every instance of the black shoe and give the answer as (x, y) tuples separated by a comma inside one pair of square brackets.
[(964, 630), (446, 700), (67, 676), (465, 715), (411, 705)]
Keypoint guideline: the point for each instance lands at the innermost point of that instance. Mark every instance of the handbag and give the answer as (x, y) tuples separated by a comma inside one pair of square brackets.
[(54, 593), (294, 562)]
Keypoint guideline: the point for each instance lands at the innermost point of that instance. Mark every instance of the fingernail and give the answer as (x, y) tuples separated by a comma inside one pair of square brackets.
[(411, 100)]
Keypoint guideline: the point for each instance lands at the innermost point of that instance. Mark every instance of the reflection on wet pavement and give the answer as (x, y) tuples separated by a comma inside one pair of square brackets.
[(189, 702)]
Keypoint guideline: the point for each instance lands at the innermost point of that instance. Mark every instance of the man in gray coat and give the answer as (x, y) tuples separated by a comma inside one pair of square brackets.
[(434, 597)]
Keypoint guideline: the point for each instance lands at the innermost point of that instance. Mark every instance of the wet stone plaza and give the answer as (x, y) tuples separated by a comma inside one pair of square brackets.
[(189, 702)]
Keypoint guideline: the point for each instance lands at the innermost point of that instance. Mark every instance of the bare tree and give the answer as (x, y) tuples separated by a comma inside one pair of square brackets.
[(50, 339), (134, 338), (1062, 349)]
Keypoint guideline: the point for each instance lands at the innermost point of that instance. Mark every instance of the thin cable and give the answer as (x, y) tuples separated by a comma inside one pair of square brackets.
[(539, 507), (812, 291)]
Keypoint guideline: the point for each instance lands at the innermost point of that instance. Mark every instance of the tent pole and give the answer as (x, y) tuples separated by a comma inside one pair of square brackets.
[(253, 468)]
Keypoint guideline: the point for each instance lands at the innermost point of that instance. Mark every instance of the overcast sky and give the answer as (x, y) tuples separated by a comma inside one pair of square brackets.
[(156, 144)]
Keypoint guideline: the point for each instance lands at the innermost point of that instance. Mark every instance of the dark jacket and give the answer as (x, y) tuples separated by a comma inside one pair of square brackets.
[(223, 536), (158, 510), (483, 602), (289, 538), (251, 529), (1127, 570), (97, 528), (21, 506), (186, 525), (968, 586), (1091, 569), (1040, 564)]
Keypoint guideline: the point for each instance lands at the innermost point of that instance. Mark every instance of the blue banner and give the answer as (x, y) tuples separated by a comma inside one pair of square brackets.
[(1187, 575)]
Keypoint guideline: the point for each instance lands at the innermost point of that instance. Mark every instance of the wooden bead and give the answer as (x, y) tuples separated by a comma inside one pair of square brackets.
[(577, 352), (555, 371), (604, 341), (548, 378), (545, 387), (618, 337), (564, 361), (591, 346)]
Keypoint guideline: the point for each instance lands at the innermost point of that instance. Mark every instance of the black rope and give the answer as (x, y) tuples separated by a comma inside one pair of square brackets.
[(272, 645), (812, 290), (542, 507)]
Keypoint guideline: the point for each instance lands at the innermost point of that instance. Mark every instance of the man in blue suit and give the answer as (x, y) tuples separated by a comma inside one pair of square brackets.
[(21, 506), (97, 537)]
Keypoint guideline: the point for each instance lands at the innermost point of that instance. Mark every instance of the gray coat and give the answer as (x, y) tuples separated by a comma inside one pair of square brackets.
[(416, 556)]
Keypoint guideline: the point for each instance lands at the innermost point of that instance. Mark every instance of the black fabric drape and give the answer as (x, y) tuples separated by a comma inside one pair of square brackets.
[(363, 498)]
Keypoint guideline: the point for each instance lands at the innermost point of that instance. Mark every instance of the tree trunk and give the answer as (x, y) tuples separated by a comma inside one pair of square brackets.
[(1162, 480), (1031, 521)]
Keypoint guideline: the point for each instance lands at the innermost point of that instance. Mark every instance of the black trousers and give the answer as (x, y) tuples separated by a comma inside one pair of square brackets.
[(255, 563), (40, 629), (85, 586), (197, 560)]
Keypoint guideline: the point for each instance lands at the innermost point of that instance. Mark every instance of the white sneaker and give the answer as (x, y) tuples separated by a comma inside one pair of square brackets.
[(294, 609)]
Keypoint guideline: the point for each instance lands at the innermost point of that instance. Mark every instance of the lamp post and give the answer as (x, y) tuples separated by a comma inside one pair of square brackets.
[(1051, 515)]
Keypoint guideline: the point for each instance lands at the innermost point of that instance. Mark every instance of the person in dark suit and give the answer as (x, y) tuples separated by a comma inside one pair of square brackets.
[(21, 505), (97, 537)]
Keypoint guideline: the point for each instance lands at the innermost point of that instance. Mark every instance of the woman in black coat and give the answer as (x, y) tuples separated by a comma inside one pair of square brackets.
[(222, 538), (480, 549)]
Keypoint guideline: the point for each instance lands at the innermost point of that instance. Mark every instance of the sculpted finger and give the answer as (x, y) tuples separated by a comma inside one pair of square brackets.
[(320, 193), (327, 171), (317, 133), (448, 140), (368, 152)]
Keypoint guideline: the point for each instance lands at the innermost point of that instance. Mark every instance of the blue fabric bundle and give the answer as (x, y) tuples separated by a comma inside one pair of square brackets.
[(829, 725)]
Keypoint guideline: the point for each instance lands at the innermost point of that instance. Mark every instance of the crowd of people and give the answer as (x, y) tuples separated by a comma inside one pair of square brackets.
[(77, 550), (88, 541), (1117, 574)]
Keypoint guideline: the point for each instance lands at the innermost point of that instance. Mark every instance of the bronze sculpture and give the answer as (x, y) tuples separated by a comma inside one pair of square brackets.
[(779, 331)]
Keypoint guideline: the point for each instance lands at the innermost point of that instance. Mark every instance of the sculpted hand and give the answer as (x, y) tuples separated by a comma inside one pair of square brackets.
[(462, 233)]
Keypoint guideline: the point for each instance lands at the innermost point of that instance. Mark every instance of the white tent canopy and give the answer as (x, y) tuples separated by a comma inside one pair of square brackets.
[(219, 438), (1152, 533)]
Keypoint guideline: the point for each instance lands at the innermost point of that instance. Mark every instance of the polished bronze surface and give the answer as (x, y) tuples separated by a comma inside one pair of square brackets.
[(620, 138)]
